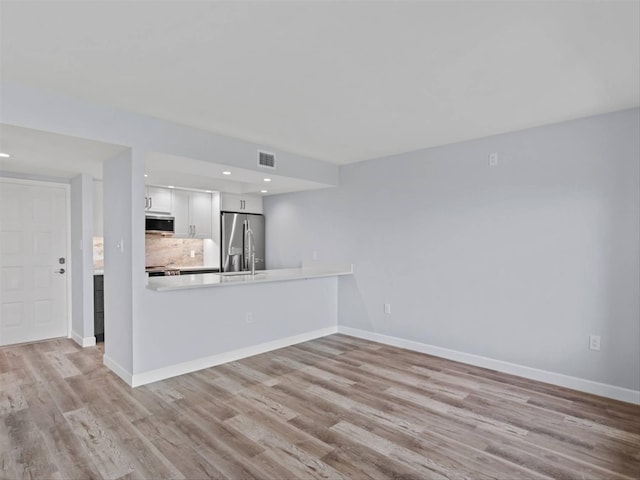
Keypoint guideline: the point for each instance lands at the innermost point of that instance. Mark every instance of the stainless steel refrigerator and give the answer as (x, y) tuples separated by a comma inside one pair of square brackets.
[(238, 231)]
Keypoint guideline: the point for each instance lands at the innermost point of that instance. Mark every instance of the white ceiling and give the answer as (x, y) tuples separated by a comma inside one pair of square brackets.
[(338, 81), (170, 170), (38, 153), (34, 152)]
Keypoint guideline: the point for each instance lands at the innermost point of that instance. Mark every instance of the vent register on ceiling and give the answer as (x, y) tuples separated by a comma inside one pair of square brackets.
[(266, 160)]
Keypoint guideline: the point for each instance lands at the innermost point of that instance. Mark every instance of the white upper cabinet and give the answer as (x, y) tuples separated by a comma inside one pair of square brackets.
[(193, 214), (231, 202), (158, 200), (180, 212), (200, 212)]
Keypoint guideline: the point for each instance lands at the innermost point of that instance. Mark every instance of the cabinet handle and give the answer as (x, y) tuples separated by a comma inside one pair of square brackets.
[(150, 202), (146, 203), (194, 230)]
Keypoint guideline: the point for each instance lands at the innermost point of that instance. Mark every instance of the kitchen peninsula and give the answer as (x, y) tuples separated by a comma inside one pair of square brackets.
[(181, 282), (191, 323)]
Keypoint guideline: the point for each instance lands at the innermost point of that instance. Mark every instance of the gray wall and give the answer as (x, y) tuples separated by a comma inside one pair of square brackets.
[(119, 263), (186, 325), (519, 262), (81, 262)]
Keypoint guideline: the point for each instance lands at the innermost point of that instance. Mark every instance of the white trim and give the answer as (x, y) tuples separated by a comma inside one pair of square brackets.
[(67, 266), (116, 368), (83, 341), (575, 383), (151, 376)]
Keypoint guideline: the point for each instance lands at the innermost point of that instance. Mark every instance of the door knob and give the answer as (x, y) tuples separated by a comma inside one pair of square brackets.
[(61, 271)]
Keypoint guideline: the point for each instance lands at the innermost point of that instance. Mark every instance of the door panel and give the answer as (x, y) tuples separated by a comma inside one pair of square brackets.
[(232, 241), (33, 236), (256, 223)]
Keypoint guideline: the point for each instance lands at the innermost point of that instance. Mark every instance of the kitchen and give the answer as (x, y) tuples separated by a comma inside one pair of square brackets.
[(196, 246)]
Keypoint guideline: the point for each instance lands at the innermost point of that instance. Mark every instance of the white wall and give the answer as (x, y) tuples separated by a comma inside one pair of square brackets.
[(81, 262), (119, 245), (185, 325), (519, 263)]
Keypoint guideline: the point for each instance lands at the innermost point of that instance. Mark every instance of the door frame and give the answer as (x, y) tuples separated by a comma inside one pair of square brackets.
[(67, 247)]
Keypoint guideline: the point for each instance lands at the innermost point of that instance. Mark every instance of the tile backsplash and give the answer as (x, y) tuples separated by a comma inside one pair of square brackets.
[(164, 251), (98, 252), (172, 251)]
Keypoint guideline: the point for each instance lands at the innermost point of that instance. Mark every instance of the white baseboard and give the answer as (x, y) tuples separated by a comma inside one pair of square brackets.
[(83, 341), (119, 370), (151, 376), (575, 383)]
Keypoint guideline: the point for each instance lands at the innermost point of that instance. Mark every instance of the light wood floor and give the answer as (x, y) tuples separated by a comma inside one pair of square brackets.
[(337, 407)]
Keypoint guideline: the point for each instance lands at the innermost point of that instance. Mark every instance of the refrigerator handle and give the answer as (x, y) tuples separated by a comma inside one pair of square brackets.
[(244, 247)]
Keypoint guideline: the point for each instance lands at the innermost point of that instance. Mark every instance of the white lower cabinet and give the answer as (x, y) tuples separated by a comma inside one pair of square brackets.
[(231, 202), (192, 213)]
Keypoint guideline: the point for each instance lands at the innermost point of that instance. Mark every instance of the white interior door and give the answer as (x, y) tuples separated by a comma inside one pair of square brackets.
[(33, 282)]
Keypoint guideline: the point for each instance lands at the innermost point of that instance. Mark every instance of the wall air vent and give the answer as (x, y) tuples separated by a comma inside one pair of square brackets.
[(266, 159)]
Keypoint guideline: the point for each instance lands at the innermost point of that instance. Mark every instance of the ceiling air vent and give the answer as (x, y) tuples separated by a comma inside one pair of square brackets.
[(266, 159)]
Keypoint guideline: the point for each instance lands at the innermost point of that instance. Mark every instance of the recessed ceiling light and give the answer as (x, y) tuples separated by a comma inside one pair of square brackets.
[(226, 172), (4, 155), (263, 191), (170, 186), (208, 191), (267, 179), (145, 175)]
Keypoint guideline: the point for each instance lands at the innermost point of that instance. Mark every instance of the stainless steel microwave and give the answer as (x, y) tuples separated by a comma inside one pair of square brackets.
[(160, 225)]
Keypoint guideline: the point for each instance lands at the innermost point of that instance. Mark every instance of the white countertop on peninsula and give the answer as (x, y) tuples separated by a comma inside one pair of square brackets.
[(204, 280)]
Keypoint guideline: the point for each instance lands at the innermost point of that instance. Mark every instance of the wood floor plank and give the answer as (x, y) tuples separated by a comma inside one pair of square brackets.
[(110, 458), (68, 453), (298, 455), (147, 460), (335, 407), (413, 460), (64, 366), (12, 400), (176, 447)]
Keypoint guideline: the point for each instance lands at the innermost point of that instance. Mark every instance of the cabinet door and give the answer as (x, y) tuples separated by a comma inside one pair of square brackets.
[(252, 204), (200, 213), (230, 202), (159, 200), (181, 213)]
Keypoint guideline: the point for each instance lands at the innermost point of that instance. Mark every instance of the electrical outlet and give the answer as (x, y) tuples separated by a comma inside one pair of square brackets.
[(594, 342), (493, 159), (387, 308), (192, 254), (249, 318)]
